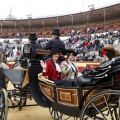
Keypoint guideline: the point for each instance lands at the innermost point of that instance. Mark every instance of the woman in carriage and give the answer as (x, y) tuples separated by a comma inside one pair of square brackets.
[(69, 67), (51, 68)]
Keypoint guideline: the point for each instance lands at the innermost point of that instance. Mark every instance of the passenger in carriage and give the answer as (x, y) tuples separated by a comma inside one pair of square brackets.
[(51, 68), (69, 68), (109, 52)]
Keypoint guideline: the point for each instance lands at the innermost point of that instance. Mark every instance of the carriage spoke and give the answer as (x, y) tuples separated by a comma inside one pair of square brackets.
[(108, 108), (52, 111), (88, 117), (54, 114), (57, 114), (98, 110), (119, 108), (3, 105), (3, 111), (3, 115)]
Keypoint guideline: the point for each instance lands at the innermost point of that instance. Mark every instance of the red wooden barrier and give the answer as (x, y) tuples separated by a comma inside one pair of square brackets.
[(80, 64)]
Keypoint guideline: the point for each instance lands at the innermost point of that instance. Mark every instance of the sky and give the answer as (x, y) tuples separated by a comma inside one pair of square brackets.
[(21, 9)]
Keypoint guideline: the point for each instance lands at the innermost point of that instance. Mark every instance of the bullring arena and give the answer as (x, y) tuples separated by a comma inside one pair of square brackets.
[(107, 19)]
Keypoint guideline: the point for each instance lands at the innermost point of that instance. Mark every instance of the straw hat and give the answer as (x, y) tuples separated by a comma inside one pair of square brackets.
[(110, 47)]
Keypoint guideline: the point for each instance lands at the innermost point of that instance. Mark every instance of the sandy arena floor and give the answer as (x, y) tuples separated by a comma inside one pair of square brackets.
[(30, 113)]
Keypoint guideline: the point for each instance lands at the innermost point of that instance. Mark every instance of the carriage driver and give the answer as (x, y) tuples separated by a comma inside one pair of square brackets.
[(32, 39), (33, 55), (109, 52), (55, 42)]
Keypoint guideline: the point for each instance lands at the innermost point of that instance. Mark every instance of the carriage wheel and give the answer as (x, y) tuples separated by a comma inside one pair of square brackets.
[(55, 114), (3, 105), (102, 106), (76, 118)]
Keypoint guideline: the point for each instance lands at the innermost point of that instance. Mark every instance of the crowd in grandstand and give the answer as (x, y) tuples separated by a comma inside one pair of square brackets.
[(86, 45)]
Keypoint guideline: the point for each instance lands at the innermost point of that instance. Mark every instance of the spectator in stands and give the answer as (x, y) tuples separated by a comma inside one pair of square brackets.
[(18, 48), (109, 41), (85, 43), (97, 57), (86, 69), (82, 56), (109, 52), (69, 67), (56, 42), (69, 41), (52, 68)]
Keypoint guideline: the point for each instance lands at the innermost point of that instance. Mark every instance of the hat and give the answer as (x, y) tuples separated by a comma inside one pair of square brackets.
[(56, 32), (70, 51), (110, 47), (32, 36), (54, 50)]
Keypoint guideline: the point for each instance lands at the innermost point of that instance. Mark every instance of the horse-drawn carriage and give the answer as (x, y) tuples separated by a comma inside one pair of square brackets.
[(96, 95), (93, 96)]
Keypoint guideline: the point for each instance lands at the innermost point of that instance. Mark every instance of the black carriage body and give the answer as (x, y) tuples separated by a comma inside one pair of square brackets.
[(65, 99), (62, 99)]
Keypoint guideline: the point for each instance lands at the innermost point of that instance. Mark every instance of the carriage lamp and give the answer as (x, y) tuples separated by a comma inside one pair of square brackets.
[(27, 50)]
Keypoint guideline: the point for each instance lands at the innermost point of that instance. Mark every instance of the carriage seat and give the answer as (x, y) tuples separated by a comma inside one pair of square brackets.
[(99, 74), (105, 70), (108, 64), (93, 76), (83, 80), (65, 83), (115, 69), (103, 67), (15, 76)]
